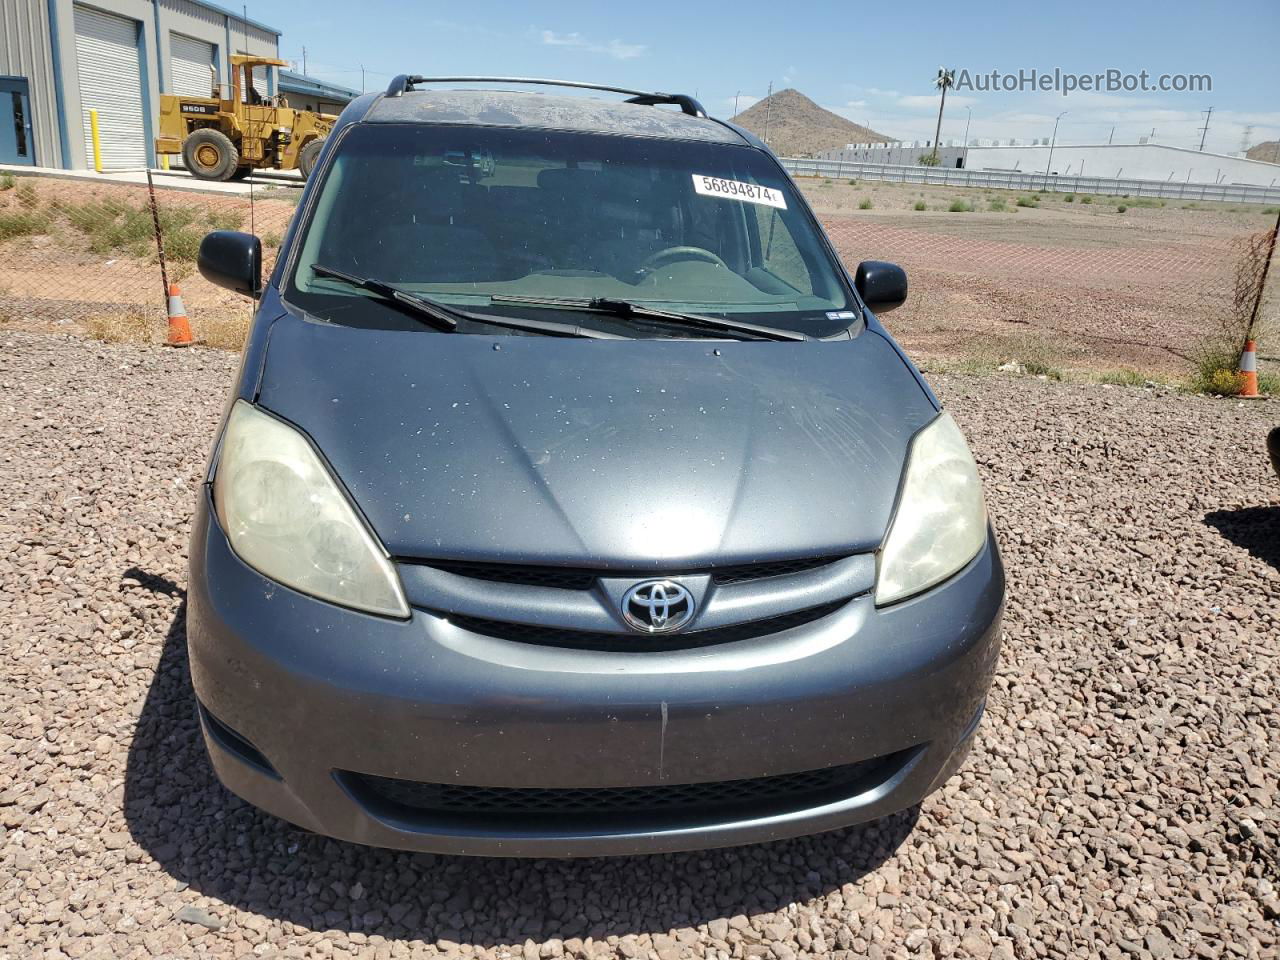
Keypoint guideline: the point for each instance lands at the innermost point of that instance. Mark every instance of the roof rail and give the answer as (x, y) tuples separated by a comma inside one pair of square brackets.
[(686, 103)]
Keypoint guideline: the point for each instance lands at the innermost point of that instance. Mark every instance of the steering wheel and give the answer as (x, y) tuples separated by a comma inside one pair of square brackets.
[(672, 254)]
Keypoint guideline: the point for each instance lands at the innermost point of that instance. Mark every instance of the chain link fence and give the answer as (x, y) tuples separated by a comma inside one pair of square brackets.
[(1090, 292), (84, 254), (1122, 297)]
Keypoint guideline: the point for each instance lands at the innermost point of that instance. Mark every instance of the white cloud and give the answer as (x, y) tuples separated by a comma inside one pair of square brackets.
[(930, 101), (742, 102), (614, 48)]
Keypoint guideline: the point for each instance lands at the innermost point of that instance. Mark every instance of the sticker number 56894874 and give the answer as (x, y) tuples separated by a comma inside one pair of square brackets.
[(738, 190)]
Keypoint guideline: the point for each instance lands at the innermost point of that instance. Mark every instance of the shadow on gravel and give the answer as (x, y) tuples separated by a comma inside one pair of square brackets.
[(205, 837), (1257, 529)]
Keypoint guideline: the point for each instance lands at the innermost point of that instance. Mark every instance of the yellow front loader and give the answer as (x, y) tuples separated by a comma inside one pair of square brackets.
[(228, 137)]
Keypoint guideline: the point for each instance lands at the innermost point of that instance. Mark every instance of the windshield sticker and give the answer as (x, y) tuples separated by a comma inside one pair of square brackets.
[(737, 190), (841, 315)]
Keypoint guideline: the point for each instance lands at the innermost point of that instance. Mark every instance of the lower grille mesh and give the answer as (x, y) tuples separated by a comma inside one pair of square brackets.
[(786, 791)]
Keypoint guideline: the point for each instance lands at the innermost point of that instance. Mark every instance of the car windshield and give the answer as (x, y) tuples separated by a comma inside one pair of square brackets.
[(471, 216)]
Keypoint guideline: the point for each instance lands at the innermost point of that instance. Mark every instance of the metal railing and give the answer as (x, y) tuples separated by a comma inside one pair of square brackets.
[(1039, 182)]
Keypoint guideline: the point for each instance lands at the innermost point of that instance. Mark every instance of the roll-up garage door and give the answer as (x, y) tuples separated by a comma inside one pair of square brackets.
[(111, 83), (192, 66)]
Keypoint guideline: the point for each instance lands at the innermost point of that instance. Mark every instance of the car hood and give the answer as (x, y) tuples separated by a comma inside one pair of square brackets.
[(630, 454)]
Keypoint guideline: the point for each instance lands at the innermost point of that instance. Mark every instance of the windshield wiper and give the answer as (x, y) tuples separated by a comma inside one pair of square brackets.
[(444, 317), (630, 309)]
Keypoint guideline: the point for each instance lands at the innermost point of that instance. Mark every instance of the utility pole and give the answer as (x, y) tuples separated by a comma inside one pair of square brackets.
[(1052, 143), (945, 79), (768, 111), (362, 78), (1112, 137), (735, 102), (968, 118), (1204, 131), (304, 61)]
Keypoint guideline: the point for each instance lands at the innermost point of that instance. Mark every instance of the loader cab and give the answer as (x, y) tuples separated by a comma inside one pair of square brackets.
[(243, 89)]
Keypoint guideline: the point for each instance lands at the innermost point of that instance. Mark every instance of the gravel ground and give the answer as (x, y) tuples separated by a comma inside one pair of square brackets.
[(1120, 800)]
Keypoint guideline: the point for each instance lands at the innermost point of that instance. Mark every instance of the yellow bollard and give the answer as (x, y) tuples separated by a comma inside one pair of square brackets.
[(97, 143), (164, 161)]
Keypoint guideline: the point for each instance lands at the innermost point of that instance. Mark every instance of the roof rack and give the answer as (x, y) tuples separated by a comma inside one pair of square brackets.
[(686, 103)]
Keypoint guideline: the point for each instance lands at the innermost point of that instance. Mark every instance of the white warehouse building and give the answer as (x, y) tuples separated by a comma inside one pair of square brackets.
[(1138, 161), (59, 59)]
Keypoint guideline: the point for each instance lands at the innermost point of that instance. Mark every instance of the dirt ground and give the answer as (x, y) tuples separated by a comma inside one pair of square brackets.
[(1066, 284)]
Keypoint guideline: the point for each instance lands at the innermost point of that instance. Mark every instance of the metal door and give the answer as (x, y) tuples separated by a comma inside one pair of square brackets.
[(111, 83), (17, 143)]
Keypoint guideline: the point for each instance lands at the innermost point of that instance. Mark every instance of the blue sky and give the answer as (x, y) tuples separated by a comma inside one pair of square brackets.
[(873, 63)]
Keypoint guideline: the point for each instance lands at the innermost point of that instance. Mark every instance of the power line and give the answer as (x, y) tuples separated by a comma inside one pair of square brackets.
[(1204, 131)]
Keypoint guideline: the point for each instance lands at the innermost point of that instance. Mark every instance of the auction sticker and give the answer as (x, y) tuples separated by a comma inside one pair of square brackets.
[(738, 190)]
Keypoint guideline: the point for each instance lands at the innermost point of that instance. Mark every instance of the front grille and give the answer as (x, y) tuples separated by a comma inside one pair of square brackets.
[(566, 578), (639, 642), (760, 795), (746, 572), (576, 578)]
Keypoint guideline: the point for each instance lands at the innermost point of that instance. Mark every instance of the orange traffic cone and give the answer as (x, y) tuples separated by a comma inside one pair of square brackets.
[(179, 328), (1249, 370)]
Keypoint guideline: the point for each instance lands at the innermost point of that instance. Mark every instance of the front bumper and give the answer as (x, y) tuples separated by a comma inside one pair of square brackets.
[(301, 700)]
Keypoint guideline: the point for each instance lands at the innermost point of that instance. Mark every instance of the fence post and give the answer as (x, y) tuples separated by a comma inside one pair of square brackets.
[(97, 143), (1262, 284), (155, 223)]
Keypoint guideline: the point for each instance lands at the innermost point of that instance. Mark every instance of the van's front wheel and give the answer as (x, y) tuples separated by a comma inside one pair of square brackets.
[(210, 155)]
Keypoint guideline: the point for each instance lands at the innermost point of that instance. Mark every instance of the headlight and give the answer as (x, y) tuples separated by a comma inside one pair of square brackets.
[(286, 517), (941, 520)]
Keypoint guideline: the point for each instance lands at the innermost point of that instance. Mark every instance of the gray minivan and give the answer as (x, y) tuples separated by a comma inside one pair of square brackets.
[(572, 500)]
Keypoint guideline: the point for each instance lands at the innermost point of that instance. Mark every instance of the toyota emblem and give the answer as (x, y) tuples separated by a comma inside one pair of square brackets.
[(657, 606)]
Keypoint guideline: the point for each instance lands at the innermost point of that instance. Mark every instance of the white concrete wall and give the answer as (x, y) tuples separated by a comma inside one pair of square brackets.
[(1149, 161)]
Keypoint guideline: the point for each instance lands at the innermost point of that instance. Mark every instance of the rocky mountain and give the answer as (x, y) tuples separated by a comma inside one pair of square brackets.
[(798, 127), (1268, 151)]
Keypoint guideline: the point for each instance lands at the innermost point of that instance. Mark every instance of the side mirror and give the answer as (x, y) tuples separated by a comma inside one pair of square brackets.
[(882, 286), (232, 260)]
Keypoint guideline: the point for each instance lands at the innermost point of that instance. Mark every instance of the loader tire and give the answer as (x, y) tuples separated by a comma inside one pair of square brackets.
[(210, 155), (241, 173), (307, 158)]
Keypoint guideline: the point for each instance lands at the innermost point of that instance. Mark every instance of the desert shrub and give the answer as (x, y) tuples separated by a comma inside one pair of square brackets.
[(21, 223), (997, 205), (1086, 199), (959, 206), (1038, 368), (1027, 202), (130, 326), (1070, 198), (1123, 378), (26, 195), (226, 220), (1121, 209), (920, 205), (928, 160), (6, 181), (865, 204)]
